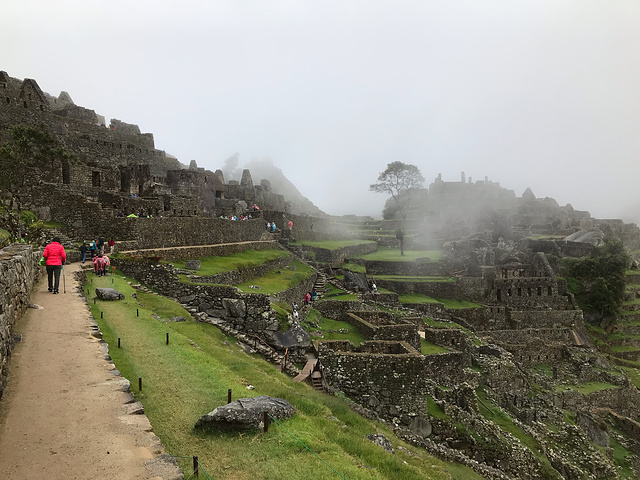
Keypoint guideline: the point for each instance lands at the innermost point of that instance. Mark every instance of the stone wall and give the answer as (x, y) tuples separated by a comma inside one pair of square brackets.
[(200, 251), (384, 326), (624, 401), (19, 273), (388, 377), (419, 267), (392, 384), (338, 309), (336, 256)]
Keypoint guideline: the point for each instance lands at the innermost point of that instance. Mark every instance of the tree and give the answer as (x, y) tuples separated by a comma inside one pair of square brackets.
[(598, 281), (399, 180), (30, 152)]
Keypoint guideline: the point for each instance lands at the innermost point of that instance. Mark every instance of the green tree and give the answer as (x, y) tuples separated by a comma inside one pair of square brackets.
[(24, 158), (400, 180), (598, 281)]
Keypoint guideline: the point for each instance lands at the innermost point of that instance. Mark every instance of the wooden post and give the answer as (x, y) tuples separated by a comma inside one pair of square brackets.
[(118, 342), (140, 383), (167, 338), (229, 396), (266, 421), (195, 465), (284, 362)]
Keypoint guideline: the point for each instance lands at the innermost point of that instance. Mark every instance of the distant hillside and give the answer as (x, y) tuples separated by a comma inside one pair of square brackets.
[(265, 169)]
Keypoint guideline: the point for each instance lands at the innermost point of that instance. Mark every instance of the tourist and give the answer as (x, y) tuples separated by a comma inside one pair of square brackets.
[(100, 245), (295, 306), (314, 295), (290, 224), (106, 262), (94, 261), (273, 227), (55, 257), (83, 251), (111, 243), (268, 226), (295, 316), (92, 248), (307, 298)]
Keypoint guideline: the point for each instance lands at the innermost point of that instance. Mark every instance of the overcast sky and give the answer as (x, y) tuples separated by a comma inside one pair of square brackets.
[(540, 94)]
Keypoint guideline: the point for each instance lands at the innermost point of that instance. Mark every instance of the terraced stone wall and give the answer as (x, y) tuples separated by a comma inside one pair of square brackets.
[(198, 251), (384, 326), (390, 378), (19, 272)]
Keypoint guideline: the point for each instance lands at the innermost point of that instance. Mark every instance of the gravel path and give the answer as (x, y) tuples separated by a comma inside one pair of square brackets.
[(63, 414)]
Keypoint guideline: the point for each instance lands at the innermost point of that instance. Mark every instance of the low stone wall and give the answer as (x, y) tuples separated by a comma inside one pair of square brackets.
[(19, 273), (432, 289), (338, 310), (390, 378), (297, 292), (200, 251), (418, 268), (337, 256), (433, 310), (392, 384), (384, 326), (624, 401), (547, 318), (235, 277)]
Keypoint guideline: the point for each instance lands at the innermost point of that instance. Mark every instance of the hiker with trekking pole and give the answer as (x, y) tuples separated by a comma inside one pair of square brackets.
[(55, 257)]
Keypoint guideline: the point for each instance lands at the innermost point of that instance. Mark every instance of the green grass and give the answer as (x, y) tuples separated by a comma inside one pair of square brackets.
[(191, 376), (333, 330), (416, 298), (415, 279), (544, 369), (237, 261), (354, 267), (428, 348), (434, 409), (278, 280), (335, 293), (4, 234), (458, 304), (393, 254), (332, 244), (496, 415), (586, 388), (624, 348), (620, 453), (52, 224)]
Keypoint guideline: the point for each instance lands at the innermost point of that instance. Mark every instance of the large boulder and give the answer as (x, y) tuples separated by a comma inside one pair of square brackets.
[(294, 337), (192, 264), (109, 294), (235, 307), (246, 413)]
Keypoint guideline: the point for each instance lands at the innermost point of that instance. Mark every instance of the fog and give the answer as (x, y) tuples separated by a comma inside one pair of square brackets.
[(529, 94)]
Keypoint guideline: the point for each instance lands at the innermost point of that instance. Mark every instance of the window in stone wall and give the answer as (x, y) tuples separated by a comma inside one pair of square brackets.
[(519, 291), (8, 100), (539, 291), (549, 290), (499, 294), (25, 104), (95, 179)]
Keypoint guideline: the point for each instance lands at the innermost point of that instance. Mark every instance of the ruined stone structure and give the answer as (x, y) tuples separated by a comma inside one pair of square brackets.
[(119, 169)]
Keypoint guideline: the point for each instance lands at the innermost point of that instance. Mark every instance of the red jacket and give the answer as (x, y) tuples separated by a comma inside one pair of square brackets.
[(54, 254)]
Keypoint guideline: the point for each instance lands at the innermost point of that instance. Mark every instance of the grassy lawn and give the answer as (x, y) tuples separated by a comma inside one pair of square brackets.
[(335, 293), (393, 254), (191, 376), (458, 304), (332, 244), (416, 298), (237, 261), (586, 388), (331, 329), (354, 267), (428, 348), (415, 279), (278, 280)]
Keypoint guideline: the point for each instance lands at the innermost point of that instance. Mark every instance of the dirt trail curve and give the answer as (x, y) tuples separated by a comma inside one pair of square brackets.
[(63, 414)]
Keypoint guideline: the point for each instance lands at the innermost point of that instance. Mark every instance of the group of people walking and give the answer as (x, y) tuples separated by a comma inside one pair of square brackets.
[(98, 249)]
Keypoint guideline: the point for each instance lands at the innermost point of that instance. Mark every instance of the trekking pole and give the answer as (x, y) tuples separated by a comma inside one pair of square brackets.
[(64, 281)]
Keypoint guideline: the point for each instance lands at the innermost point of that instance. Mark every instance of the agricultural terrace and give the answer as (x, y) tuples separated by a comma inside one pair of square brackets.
[(237, 261), (332, 244), (386, 254), (192, 374)]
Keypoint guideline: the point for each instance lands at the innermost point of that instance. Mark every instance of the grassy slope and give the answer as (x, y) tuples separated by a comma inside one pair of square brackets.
[(190, 377), (237, 261), (393, 254)]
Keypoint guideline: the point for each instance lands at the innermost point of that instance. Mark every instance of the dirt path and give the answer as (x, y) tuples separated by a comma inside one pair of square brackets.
[(63, 414)]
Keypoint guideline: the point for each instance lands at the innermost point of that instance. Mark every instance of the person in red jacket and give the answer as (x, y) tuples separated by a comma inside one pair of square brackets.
[(55, 256)]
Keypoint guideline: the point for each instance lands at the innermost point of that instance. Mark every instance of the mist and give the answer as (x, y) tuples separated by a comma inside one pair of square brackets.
[(529, 94)]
